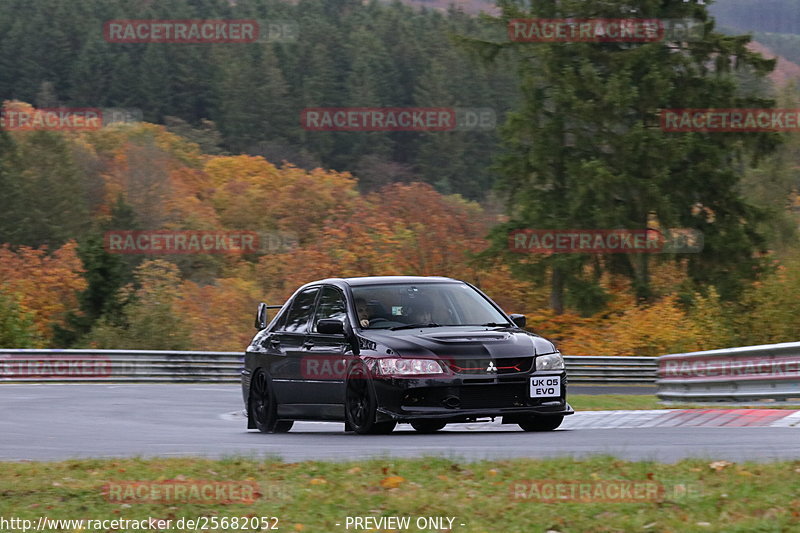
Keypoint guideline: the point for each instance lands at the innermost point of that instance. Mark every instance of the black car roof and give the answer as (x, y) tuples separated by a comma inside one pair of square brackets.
[(382, 280)]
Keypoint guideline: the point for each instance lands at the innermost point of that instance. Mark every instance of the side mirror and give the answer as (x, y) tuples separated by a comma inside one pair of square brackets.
[(518, 320), (261, 316), (330, 326)]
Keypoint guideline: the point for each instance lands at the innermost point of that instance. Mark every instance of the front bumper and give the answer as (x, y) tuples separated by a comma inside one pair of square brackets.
[(460, 398), (467, 415)]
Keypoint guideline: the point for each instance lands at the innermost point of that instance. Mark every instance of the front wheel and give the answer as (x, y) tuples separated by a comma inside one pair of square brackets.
[(542, 423), (264, 408), (361, 406)]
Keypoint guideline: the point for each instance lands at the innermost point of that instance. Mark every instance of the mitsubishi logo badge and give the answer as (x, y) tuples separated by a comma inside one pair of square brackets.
[(491, 367)]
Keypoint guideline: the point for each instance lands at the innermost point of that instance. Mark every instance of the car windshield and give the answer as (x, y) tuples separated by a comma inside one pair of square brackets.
[(395, 306)]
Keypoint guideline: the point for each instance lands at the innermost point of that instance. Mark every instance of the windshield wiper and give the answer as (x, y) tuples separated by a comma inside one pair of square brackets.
[(412, 326), (495, 325)]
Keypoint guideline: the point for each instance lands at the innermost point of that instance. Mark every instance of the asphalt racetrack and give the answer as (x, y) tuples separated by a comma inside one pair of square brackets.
[(63, 421)]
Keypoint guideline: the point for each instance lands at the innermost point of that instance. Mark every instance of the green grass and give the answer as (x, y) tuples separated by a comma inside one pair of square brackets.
[(315, 496), (603, 402), (610, 402)]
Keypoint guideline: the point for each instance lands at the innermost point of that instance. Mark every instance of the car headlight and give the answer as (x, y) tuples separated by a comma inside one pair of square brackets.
[(552, 361), (409, 367)]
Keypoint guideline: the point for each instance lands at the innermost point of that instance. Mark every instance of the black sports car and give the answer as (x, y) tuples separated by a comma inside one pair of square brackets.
[(375, 351)]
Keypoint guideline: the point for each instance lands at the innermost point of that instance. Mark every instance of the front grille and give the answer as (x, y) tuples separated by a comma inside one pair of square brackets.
[(501, 365), (490, 396), (483, 396)]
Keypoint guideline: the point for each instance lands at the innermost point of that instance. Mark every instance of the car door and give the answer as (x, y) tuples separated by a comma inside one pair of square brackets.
[(326, 358), (287, 342)]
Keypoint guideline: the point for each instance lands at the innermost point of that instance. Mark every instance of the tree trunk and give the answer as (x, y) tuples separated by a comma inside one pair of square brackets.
[(557, 291)]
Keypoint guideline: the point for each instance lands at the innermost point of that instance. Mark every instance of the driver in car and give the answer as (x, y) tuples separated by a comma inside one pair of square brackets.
[(421, 311), (363, 312)]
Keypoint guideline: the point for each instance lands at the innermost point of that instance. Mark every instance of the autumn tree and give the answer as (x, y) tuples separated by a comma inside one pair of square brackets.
[(17, 329), (218, 314), (149, 320), (45, 285), (585, 148), (403, 229), (45, 197)]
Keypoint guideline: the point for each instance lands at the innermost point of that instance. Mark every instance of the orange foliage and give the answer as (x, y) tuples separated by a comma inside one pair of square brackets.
[(187, 204), (47, 285), (241, 190), (115, 137), (404, 229), (156, 171), (625, 327), (252, 194), (563, 329), (220, 315), (655, 329)]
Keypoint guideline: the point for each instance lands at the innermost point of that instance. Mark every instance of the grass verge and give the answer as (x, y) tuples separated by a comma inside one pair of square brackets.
[(490, 497), (610, 402)]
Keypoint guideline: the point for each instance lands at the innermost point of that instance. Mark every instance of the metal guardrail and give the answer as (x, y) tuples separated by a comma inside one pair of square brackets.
[(734, 374), (767, 372), (597, 370), (143, 366), (132, 366)]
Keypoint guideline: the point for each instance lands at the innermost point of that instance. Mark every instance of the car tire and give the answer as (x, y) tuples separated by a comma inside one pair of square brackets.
[(361, 405), (427, 426), (263, 409), (542, 423)]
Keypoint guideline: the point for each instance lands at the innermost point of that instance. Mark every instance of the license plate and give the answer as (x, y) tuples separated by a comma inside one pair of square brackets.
[(546, 387)]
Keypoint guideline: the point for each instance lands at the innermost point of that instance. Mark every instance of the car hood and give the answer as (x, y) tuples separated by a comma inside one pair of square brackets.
[(462, 342)]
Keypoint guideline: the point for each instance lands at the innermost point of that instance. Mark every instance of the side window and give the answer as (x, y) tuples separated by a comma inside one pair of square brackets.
[(302, 308), (331, 305), (280, 320)]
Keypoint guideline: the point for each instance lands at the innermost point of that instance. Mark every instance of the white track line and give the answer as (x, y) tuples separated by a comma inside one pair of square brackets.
[(789, 421)]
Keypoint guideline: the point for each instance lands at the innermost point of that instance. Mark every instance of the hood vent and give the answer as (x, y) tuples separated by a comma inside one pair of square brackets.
[(488, 336)]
